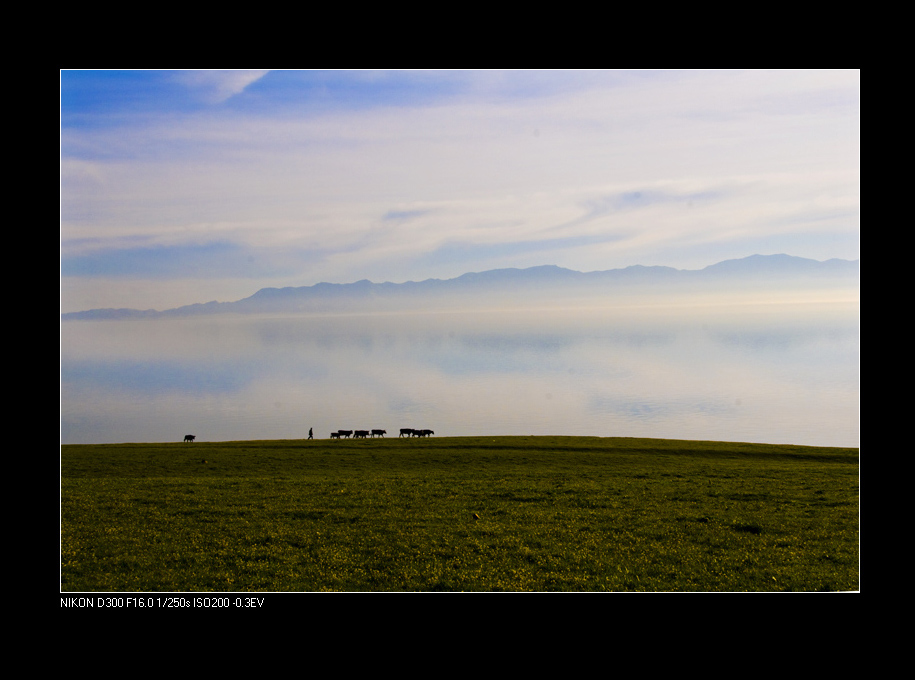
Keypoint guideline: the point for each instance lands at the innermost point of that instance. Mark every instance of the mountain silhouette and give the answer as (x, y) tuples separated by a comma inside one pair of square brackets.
[(518, 286)]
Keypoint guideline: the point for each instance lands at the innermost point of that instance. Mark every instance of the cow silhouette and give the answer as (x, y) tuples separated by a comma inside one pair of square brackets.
[(190, 437), (380, 433), (408, 431)]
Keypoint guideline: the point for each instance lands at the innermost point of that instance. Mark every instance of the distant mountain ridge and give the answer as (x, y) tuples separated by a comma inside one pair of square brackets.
[(755, 270)]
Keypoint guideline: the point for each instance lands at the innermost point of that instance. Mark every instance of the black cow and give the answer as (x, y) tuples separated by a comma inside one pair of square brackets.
[(424, 433), (345, 433), (408, 431), (380, 433), (335, 435), (361, 434), (190, 437)]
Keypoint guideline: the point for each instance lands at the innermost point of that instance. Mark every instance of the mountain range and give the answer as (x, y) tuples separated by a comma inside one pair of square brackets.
[(756, 272)]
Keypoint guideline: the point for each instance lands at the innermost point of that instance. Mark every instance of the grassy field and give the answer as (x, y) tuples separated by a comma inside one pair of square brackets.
[(459, 514)]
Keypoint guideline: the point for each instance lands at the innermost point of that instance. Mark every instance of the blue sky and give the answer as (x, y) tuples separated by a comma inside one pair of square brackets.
[(190, 186)]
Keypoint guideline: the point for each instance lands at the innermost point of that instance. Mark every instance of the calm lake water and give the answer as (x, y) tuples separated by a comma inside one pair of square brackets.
[(785, 373)]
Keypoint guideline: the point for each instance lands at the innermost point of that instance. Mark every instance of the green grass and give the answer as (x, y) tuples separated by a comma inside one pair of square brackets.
[(459, 514)]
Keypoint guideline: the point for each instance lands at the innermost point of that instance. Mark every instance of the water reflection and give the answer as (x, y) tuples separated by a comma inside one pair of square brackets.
[(785, 375)]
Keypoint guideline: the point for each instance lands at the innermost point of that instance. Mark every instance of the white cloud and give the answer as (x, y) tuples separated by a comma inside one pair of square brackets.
[(215, 87)]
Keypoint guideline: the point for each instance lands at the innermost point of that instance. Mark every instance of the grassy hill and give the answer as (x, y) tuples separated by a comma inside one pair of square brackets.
[(459, 514)]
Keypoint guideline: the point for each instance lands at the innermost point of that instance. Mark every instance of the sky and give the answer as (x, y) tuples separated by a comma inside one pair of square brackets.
[(189, 186)]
